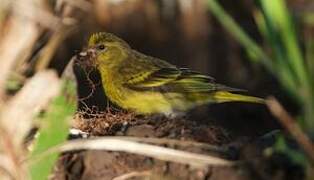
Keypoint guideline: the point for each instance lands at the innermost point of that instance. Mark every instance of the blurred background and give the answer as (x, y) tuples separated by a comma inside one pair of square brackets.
[(186, 34), (268, 49), (183, 32), (40, 34)]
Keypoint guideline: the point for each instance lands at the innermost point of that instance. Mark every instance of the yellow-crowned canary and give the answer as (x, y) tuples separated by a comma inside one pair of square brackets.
[(147, 85)]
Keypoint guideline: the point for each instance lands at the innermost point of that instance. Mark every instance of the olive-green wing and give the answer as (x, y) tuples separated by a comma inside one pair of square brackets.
[(147, 72), (153, 78), (171, 79)]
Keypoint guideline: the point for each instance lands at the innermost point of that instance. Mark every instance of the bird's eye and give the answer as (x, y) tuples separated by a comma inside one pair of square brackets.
[(101, 47)]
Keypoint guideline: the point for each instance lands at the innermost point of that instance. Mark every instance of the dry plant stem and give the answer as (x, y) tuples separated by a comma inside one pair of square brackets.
[(16, 117), (48, 51), (292, 127), (158, 152), (36, 11), (5, 164), (62, 31), (19, 112), (14, 45), (22, 33), (68, 72), (173, 142), (12, 155), (68, 76)]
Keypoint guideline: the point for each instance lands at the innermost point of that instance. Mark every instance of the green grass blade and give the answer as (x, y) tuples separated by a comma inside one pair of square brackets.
[(284, 71), (238, 33), (279, 17), (54, 130), (309, 46), (279, 21)]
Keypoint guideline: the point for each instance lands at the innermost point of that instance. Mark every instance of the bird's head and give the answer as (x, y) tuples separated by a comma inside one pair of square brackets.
[(106, 50)]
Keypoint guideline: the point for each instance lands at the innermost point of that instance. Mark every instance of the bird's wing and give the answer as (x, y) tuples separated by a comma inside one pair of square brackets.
[(193, 81), (153, 78), (171, 79)]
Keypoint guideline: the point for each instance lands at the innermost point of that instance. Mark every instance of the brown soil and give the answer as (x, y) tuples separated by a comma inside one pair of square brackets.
[(96, 165)]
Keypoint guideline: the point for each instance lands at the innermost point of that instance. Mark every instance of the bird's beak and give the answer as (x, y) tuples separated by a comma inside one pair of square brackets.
[(88, 52), (87, 57)]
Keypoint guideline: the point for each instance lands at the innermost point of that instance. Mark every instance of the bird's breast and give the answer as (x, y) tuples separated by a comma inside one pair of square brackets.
[(142, 102), (148, 102)]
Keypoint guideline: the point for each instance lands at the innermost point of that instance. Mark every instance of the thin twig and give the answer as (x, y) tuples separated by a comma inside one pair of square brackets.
[(292, 127)]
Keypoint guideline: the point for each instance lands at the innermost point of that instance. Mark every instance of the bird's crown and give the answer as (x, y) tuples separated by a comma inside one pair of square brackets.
[(105, 37)]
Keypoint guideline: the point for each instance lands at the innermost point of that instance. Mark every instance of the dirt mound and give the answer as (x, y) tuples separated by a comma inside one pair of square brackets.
[(92, 164)]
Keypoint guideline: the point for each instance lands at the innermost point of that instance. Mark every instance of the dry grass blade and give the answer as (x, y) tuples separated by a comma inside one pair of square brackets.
[(292, 127), (49, 50), (173, 142), (6, 166), (14, 46), (18, 114), (22, 32), (37, 12), (70, 89), (161, 153)]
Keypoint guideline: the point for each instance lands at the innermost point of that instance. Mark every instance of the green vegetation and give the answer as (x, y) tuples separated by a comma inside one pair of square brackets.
[(283, 55), (54, 130)]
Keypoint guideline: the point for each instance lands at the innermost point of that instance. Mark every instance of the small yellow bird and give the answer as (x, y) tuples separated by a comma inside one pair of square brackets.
[(148, 85)]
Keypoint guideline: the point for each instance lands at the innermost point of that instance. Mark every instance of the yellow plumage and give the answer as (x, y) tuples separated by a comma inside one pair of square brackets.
[(149, 85)]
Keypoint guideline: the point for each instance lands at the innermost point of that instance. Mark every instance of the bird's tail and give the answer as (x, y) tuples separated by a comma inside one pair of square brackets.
[(224, 96)]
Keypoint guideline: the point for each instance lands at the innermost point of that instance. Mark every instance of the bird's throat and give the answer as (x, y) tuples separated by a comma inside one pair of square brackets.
[(112, 86)]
